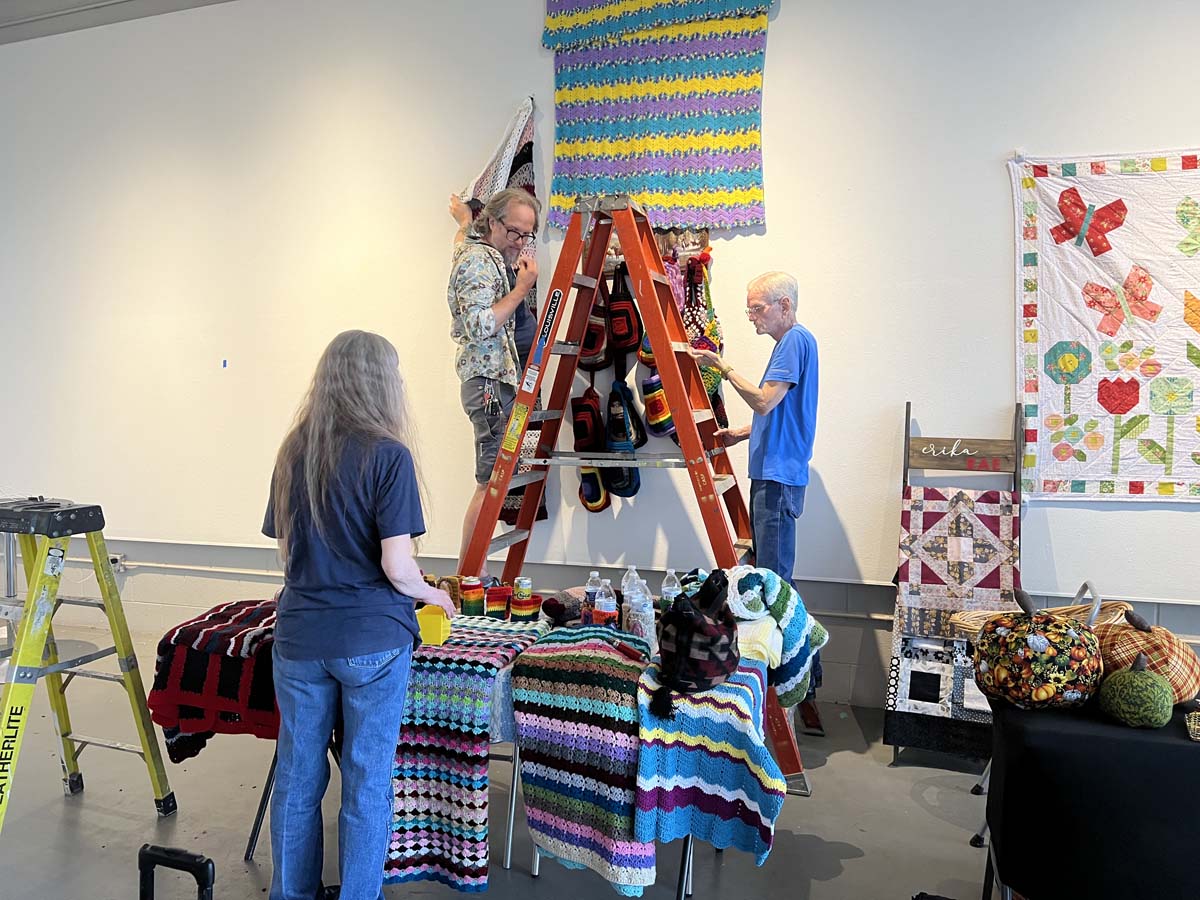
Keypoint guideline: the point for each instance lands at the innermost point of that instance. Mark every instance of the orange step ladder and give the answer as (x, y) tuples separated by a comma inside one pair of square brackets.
[(722, 503)]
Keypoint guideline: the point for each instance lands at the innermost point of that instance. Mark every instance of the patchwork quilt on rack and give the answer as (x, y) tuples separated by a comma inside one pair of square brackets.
[(959, 550), (575, 695), (213, 675), (707, 771), (440, 829), (660, 100), (1108, 325)]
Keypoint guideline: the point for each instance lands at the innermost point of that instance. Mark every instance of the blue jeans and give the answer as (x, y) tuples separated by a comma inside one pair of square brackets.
[(774, 509), (371, 692)]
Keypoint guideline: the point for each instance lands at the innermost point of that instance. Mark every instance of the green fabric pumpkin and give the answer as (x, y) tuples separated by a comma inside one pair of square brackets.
[(1137, 697)]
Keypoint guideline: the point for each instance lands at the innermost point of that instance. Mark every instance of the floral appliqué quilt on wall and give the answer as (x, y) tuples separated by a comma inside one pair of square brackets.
[(1108, 331)]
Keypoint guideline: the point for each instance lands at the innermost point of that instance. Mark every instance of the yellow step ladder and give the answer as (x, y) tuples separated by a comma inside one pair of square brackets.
[(43, 529)]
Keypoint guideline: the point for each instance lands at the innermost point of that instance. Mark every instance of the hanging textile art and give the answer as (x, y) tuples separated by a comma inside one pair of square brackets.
[(1108, 332), (660, 99)]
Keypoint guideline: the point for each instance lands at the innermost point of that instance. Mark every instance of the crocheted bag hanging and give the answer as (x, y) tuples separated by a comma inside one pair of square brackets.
[(658, 415), (623, 482), (588, 424), (624, 323), (595, 354), (699, 641)]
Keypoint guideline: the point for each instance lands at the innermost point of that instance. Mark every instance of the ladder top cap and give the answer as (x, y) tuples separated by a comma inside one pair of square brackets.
[(49, 517), (607, 203)]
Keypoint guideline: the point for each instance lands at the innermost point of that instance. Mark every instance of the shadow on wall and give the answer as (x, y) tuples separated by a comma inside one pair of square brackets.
[(822, 547)]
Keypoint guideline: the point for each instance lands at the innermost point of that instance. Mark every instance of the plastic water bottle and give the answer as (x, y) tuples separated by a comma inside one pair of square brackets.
[(671, 588), (629, 580), (640, 616), (606, 605), (591, 591)]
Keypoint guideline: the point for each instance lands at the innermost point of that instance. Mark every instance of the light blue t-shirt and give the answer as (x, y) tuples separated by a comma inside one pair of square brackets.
[(781, 442)]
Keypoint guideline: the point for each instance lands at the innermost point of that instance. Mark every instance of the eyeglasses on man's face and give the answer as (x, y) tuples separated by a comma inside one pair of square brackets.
[(526, 237), (754, 310)]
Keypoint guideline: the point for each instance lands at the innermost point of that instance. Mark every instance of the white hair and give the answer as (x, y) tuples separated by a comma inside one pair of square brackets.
[(774, 286)]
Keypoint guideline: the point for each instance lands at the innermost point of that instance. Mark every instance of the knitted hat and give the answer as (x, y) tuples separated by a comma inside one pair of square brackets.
[(624, 482), (646, 352), (699, 642), (592, 492), (658, 416), (588, 424), (624, 323)]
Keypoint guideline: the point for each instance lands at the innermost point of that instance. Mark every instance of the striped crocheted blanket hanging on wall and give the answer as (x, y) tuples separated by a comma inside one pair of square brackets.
[(440, 825), (575, 698), (707, 771), (662, 100)]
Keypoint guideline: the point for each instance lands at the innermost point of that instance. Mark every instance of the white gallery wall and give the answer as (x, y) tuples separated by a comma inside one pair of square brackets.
[(192, 205)]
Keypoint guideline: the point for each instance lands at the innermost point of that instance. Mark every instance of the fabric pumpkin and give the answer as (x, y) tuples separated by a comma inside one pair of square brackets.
[(1138, 697), (1036, 660), (1166, 654)]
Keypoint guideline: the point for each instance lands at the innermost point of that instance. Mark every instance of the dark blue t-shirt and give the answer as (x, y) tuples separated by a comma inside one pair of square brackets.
[(336, 601)]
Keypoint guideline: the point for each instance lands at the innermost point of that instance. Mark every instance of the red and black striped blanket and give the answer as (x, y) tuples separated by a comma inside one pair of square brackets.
[(213, 675)]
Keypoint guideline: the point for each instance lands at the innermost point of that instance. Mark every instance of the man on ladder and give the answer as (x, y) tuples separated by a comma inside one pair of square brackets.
[(781, 433), (483, 304)]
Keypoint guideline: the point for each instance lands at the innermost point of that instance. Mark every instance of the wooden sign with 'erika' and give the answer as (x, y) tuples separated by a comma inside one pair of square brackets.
[(962, 454)]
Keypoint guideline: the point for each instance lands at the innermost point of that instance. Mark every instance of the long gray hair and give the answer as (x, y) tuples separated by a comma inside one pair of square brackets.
[(357, 394)]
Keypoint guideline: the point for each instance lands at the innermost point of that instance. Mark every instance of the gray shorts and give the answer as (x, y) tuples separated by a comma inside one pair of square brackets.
[(488, 424)]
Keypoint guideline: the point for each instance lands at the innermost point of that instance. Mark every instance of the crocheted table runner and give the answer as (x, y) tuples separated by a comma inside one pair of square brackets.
[(707, 771), (213, 675), (440, 827), (575, 698)]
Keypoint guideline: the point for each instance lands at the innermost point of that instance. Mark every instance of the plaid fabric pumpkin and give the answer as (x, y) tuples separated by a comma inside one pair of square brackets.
[(1166, 654)]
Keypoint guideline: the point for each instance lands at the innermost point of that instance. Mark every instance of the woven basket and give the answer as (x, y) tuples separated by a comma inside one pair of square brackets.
[(1193, 725), (969, 623)]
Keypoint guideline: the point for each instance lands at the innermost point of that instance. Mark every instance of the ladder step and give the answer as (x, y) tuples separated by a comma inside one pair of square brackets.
[(680, 346), (565, 348), (611, 460), (660, 278), (68, 664), (703, 415), (584, 281), (508, 539), (743, 545), (723, 482), (527, 478), (545, 415), (103, 742), (82, 601)]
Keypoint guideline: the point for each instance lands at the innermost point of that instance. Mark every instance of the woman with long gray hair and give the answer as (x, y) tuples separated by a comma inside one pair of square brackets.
[(345, 506)]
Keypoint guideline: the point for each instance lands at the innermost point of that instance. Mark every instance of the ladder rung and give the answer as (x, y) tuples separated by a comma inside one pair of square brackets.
[(99, 676), (527, 478), (82, 601), (103, 742), (68, 664), (611, 460), (743, 545), (584, 281), (565, 348), (508, 539), (702, 415), (545, 415), (723, 482), (680, 346), (660, 278)]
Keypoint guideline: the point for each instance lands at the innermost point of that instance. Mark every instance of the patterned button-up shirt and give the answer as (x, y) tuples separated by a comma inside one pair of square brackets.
[(478, 278)]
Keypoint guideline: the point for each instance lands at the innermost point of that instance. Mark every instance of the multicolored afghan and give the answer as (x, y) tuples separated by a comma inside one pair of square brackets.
[(754, 593), (440, 829), (707, 771), (575, 698), (213, 674), (662, 100)]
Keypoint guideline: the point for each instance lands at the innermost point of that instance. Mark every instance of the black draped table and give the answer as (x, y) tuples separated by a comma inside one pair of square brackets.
[(1080, 806)]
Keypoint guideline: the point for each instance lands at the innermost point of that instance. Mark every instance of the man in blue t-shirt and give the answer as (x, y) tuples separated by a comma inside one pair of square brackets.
[(783, 429)]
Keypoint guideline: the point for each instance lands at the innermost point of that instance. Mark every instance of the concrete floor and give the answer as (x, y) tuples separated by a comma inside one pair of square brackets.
[(869, 831)]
